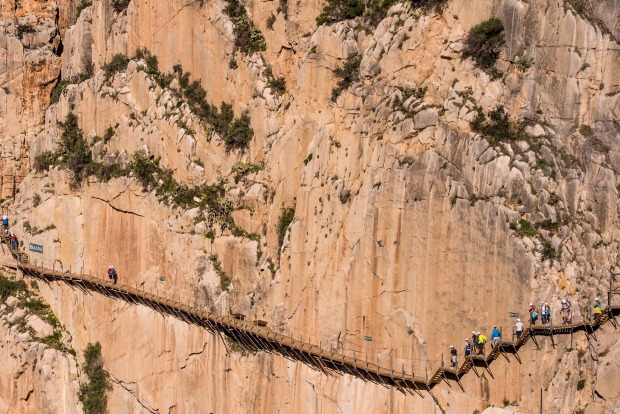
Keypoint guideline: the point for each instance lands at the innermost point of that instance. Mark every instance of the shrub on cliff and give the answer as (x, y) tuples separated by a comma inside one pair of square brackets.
[(235, 132), (83, 4), (93, 392), (497, 128), (248, 37), (10, 287), (120, 5), (484, 44), (373, 11), (117, 64), (74, 148), (239, 133), (287, 215), (349, 73), (339, 10)]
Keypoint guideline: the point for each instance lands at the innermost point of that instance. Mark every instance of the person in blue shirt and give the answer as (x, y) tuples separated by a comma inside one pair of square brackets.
[(495, 336), (5, 222)]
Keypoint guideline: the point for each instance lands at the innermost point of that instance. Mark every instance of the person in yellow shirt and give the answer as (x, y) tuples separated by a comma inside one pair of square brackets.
[(481, 341), (597, 309)]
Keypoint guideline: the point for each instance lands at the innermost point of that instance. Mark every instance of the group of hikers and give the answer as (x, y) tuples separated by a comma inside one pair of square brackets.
[(12, 236), (476, 346), (112, 275)]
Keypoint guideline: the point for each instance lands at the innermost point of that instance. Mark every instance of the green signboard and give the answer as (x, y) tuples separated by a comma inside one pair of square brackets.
[(513, 314), (36, 248), (368, 338)]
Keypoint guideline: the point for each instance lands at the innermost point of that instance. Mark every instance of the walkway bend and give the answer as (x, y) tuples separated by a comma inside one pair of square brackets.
[(254, 337)]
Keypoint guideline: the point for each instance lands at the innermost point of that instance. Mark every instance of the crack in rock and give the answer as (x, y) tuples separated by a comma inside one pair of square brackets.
[(124, 385)]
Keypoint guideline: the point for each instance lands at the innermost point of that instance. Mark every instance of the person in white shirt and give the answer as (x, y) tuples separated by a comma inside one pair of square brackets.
[(519, 329)]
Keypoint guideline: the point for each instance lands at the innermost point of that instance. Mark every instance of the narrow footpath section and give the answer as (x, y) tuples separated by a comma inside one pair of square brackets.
[(255, 336)]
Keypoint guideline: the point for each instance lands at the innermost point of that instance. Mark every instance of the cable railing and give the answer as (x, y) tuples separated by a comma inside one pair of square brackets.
[(332, 356)]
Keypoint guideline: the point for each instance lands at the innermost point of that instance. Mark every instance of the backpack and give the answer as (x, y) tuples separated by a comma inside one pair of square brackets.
[(568, 303), (534, 314)]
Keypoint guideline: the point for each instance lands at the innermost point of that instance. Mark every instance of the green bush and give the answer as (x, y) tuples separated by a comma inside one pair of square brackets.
[(117, 64), (548, 251), (23, 29), (339, 10), (120, 5), (83, 4), (144, 168), (270, 21), (373, 11), (498, 128), (225, 280), (287, 215), (581, 384), (349, 73), (586, 131), (235, 132), (248, 38), (283, 8), (484, 44), (74, 148), (10, 287), (93, 392), (524, 228), (239, 133), (152, 63), (524, 63), (43, 161), (107, 136), (277, 85)]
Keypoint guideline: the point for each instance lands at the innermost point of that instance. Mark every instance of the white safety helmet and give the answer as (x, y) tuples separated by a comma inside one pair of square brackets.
[(531, 304), (451, 346), (473, 332), (563, 300), (596, 299), (466, 339), (518, 320)]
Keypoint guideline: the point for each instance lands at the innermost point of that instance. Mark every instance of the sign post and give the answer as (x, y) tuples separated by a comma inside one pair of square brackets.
[(368, 338), (513, 315), (37, 248)]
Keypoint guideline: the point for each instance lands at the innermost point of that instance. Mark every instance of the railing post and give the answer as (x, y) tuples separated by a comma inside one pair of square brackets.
[(14, 186)]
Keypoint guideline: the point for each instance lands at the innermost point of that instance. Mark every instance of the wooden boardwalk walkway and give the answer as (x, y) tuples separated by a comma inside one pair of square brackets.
[(253, 336)]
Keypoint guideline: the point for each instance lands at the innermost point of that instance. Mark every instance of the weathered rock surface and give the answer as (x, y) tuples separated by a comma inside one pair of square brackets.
[(407, 225)]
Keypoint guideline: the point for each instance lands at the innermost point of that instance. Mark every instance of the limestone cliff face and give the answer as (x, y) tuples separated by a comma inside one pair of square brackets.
[(406, 225)]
